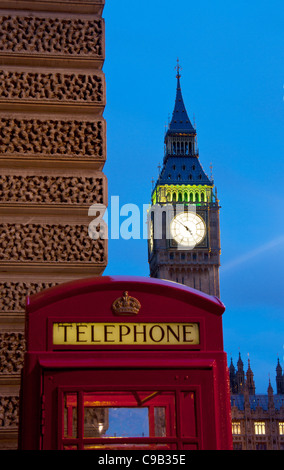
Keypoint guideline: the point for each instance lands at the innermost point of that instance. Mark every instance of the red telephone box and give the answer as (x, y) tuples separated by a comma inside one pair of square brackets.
[(124, 363)]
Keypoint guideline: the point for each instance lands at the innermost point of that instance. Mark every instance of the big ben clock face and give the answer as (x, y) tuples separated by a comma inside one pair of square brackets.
[(188, 229)]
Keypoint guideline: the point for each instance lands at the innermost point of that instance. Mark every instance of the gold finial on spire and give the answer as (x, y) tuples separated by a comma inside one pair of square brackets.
[(178, 68)]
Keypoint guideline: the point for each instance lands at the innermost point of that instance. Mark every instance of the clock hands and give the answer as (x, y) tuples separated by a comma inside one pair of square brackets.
[(187, 228)]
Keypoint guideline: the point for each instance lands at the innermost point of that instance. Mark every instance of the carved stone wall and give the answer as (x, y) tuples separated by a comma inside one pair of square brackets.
[(13, 294), (27, 138), (9, 412), (39, 189), (15, 85), (52, 155), (35, 243), (41, 35), (12, 347)]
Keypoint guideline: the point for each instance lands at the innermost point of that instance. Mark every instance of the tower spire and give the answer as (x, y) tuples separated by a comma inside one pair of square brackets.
[(180, 121), (250, 381)]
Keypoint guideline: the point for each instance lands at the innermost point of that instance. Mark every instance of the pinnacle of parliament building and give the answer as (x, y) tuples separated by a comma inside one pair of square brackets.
[(188, 249)]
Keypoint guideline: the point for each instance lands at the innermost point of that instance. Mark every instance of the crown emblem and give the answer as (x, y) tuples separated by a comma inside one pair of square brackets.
[(126, 305)]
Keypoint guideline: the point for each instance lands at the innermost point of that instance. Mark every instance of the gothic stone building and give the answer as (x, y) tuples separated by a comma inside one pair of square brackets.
[(257, 420), (52, 154)]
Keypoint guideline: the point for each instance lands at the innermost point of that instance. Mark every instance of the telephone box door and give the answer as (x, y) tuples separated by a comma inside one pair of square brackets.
[(125, 409)]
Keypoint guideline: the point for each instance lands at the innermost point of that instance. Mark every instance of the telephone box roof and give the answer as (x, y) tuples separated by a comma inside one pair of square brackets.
[(110, 283)]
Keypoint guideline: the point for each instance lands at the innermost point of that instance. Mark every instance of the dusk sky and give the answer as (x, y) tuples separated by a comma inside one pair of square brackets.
[(232, 59)]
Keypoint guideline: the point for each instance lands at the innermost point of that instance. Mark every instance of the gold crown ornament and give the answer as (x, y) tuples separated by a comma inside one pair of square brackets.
[(126, 305)]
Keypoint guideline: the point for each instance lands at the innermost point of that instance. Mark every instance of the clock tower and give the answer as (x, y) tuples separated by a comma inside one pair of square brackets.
[(184, 232)]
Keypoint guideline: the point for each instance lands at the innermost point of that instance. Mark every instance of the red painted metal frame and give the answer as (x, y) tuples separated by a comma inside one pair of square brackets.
[(81, 442), (108, 284), (175, 439), (90, 300), (162, 301)]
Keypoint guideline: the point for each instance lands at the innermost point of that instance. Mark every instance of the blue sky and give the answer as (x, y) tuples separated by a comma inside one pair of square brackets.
[(232, 59)]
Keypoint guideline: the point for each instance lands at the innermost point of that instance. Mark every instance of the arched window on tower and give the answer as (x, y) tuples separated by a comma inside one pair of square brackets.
[(185, 197), (174, 148), (186, 148), (174, 197), (190, 148), (202, 197), (180, 197), (191, 197), (197, 197)]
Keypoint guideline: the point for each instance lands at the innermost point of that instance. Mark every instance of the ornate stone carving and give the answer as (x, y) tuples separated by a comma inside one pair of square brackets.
[(9, 412), (13, 294), (51, 190), (62, 87), (12, 348), (49, 243), (51, 138), (60, 36)]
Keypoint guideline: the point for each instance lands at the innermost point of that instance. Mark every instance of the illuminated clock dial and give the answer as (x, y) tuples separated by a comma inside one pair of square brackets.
[(188, 229)]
